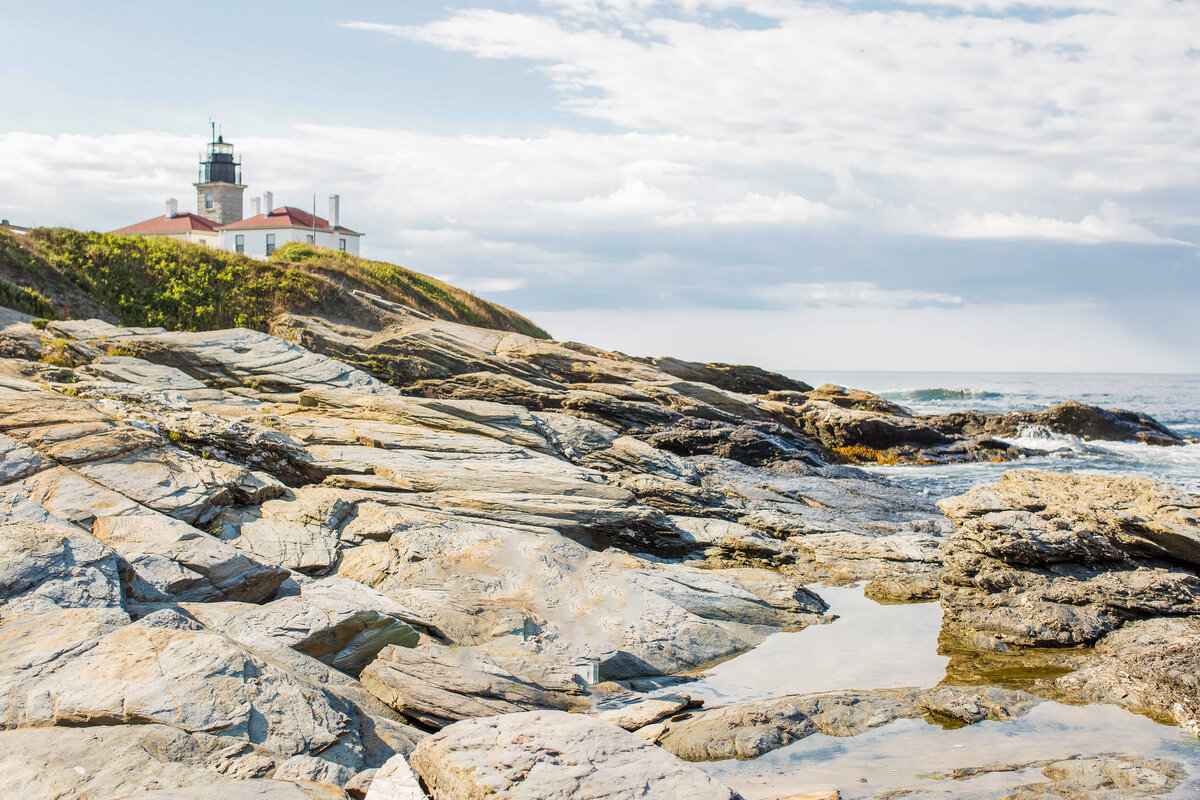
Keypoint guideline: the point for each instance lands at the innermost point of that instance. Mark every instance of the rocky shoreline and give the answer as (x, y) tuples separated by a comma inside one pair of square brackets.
[(297, 564)]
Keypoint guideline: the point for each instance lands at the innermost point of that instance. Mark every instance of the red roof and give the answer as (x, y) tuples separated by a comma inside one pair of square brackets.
[(287, 217), (180, 223)]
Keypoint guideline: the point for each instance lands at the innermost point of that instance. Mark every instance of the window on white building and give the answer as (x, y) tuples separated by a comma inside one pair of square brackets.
[(341, 244), (270, 243), (308, 237), (239, 243), (208, 201)]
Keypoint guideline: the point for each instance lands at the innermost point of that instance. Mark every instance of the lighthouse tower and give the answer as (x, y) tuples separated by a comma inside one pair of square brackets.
[(219, 189)]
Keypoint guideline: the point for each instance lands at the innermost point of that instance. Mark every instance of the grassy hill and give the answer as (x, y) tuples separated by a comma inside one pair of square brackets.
[(136, 280)]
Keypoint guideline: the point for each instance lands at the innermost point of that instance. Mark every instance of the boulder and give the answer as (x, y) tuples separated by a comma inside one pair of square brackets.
[(163, 669), (186, 564), (395, 780), (1061, 560), (750, 729), (639, 714), (549, 754), (437, 686)]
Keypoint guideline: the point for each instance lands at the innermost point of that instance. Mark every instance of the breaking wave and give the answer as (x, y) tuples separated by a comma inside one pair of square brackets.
[(930, 395)]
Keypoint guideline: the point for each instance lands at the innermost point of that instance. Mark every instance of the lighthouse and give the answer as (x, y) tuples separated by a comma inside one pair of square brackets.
[(219, 188), (219, 219)]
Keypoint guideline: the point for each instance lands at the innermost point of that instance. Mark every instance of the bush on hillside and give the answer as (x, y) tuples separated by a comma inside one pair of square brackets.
[(154, 281), (27, 301)]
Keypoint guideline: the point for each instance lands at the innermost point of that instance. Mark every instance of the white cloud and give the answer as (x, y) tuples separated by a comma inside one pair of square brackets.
[(1110, 224), (851, 294), (634, 198), (757, 208), (945, 104)]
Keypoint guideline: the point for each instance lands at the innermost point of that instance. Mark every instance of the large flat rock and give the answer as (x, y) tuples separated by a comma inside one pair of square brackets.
[(180, 562), (57, 563), (549, 755), (241, 357), (338, 621), (166, 670)]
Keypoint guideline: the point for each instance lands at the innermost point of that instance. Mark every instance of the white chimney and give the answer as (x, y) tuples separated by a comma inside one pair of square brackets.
[(255, 206), (172, 207), (335, 210), (268, 202)]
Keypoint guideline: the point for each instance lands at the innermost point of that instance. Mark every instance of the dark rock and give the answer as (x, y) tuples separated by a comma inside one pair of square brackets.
[(731, 377), (1070, 418)]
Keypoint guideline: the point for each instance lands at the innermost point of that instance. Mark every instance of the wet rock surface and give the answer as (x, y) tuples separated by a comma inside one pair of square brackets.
[(1147, 666), (750, 729)]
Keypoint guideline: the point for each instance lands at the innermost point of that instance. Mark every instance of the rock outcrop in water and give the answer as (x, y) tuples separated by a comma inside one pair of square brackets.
[(750, 729), (1068, 560), (1071, 418), (1041, 559), (860, 427)]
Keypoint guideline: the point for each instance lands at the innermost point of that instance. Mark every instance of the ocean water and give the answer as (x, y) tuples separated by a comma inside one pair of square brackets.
[(1172, 399)]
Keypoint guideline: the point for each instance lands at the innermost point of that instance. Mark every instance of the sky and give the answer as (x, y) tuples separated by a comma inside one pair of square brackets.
[(842, 184)]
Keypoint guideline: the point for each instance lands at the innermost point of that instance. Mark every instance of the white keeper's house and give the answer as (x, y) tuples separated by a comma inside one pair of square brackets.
[(219, 222)]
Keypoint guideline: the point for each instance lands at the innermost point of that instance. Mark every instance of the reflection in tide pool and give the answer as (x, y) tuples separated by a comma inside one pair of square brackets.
[(880, 646), (870, 646), (912, 754)]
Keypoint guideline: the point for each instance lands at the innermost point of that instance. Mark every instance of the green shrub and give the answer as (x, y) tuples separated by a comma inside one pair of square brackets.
[(27, 301), (154, 281)]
